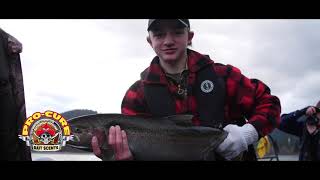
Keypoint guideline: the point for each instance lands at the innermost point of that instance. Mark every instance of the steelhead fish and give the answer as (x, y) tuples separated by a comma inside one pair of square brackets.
[(161, 139)]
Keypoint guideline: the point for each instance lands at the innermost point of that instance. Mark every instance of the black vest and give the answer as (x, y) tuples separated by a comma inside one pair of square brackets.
[(210, 103), (209, 91)]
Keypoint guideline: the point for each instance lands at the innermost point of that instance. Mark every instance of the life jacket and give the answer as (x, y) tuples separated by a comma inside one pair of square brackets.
[(209, 91)]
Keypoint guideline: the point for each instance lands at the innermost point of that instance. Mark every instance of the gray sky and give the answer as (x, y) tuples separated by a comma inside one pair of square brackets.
[(89, 64)]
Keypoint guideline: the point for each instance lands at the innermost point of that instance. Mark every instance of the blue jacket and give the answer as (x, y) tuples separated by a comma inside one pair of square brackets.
[(294, 123)]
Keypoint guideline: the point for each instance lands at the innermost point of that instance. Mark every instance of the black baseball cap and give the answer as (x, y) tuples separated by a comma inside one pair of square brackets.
[(184, 22)]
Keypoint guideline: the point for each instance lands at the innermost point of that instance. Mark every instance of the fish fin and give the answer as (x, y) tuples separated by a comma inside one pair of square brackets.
[(181, 119), (76, 118)]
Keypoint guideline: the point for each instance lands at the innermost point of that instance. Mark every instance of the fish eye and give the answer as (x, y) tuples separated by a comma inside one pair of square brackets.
[(77, 130)]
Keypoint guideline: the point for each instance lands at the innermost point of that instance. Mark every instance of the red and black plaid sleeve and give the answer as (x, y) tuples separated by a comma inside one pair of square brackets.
[(133, 102), (253, 99)]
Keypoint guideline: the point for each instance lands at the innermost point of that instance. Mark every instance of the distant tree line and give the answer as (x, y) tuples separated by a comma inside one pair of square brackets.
[(77, 112)]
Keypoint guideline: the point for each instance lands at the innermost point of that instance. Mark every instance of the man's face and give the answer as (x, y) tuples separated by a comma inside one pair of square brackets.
[(169, 39)]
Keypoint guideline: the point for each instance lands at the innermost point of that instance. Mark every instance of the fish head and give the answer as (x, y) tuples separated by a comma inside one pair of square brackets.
[(82, 131), (82, 136)]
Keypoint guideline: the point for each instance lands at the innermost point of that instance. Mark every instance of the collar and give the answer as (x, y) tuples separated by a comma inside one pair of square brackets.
[(154, 74)]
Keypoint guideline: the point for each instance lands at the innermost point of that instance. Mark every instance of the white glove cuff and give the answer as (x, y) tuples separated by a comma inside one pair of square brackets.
[(250, 133)]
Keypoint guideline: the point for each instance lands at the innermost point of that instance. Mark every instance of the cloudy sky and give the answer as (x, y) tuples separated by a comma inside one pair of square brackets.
[(89, 64)]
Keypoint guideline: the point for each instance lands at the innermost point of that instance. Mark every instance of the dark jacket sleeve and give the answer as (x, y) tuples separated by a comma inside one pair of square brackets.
[(290, 122)]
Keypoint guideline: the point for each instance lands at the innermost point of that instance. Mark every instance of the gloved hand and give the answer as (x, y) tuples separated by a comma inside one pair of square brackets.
[(237, 141)]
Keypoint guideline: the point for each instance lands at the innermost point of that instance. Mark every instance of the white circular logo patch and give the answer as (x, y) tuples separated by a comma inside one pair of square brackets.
[(207, 86)]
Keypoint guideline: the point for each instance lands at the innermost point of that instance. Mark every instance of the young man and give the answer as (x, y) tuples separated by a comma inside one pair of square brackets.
[(12, 102), (304, 123), (183, 81)]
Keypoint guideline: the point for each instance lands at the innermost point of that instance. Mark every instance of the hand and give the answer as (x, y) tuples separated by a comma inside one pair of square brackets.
[(118, 141), (310, 111), (14, 46), (311, 128), (237, 141)]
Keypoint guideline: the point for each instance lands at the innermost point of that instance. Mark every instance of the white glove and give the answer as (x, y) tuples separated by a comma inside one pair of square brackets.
[(237, 141)]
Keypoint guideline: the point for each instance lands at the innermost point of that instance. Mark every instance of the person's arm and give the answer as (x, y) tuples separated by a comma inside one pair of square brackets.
[(254, 98), (290, 124), (264, 112), (133, 103), (260, 108)]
